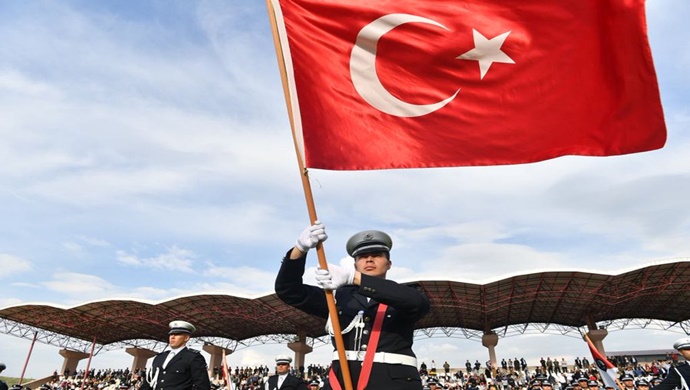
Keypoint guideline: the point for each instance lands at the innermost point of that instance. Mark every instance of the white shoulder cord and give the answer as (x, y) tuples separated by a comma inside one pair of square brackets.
[(357, 322), (683, 383), (152, 377), (359, 318)]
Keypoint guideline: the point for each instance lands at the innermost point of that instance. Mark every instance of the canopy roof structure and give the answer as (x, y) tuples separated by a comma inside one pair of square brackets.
[(558, 301)]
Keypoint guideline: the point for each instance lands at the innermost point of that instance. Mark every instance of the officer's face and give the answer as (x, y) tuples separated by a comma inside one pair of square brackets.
[(282, 368), (373, 264), (685, 353), (177, 340)]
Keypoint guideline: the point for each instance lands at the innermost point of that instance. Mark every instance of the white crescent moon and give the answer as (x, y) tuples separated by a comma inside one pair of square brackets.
[(363, 68)]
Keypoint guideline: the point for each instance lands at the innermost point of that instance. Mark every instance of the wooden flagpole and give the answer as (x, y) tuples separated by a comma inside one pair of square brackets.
[(88, 364), (28, 356), (311, 208)]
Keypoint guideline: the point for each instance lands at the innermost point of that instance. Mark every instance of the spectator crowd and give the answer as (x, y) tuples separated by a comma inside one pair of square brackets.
[(511, 374)]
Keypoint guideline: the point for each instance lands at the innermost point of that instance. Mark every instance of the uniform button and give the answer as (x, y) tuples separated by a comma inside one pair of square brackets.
[(365, 331), (364, 347), (366, 319)]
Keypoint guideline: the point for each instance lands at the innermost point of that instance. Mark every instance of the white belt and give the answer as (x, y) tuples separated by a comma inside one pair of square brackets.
[(380, 357)]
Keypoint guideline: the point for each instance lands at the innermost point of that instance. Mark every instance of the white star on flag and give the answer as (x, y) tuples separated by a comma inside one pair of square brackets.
[(487, 51)]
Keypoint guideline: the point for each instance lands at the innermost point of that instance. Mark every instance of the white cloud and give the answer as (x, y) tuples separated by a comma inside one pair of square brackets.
[(77, 284), (174, 259), (11, 265), (73, 248), (4, 302), (145, 293), (472, 261), (94, 241), (13, 81)]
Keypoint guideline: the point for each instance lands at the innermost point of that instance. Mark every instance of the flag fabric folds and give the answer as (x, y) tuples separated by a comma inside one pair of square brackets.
[(608, 372), (226, 371), (415, 83)]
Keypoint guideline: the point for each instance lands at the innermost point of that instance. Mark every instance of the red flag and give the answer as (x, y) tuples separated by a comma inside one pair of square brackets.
[(226, 372), (607, 370), (413, 83)]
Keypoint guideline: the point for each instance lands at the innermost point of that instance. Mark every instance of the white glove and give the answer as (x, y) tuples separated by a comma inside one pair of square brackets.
[(334, 277), (311, 236)]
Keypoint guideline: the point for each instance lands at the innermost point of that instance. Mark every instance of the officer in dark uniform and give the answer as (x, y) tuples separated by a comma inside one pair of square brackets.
[(3, 385), (535, 384), (359, 293), (314, 384), (593, 385), (642, 384), (283, 380), (628, 382), (679, 374), (180, 368)]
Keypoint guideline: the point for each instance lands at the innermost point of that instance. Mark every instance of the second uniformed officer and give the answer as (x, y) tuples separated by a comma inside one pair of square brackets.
[(368, 304), (283, 380), (3, 385), (678, 376), (180, 368)]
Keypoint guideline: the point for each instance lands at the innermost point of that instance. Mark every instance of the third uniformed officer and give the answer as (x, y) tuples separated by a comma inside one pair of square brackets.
[(180, 368)]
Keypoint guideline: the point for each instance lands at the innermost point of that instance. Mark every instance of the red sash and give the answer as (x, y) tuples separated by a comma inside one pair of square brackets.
[(368, 356)]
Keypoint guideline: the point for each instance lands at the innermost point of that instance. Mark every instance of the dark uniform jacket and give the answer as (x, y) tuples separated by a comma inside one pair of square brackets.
[(672, 380), (290, 383), (3, 385), (406, 305), (186, 370)]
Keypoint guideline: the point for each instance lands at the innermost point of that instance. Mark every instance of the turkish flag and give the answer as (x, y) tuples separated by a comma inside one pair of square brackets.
[(226, 371), (420, 83), (608, 372)]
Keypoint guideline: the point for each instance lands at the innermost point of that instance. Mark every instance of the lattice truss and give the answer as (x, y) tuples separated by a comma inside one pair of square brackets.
[(564, 303), (71, 343)]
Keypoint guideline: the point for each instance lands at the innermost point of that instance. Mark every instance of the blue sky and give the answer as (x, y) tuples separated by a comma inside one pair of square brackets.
[(146, 154)]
